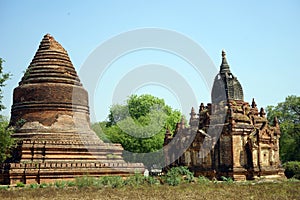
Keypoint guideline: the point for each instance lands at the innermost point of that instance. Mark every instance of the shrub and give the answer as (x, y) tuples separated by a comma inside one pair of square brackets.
[(4, 187), (43, 185), (60, 184), (173, 179), (71, 183), (20, 184), (297, 176), (152, 180), (34, 185), (292, 169), (135, 180), (85, 181), (176, 174), (294, 180), (227, 179), (112, 181), (203, 180)]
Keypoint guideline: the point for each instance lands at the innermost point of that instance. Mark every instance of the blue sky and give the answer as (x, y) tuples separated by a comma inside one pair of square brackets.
[(261, 39)]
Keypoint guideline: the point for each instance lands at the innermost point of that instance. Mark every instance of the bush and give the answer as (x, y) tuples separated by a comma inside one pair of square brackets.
[(292, 169), (34, 185), (85, 181), (71, 183), (203, 180), (112, 181), (173, 179), (4, 187), (177, 174), (292, 180), (227, 179), (135, 180), (152, 180), (43, 185), (20, 184), (60, 184)]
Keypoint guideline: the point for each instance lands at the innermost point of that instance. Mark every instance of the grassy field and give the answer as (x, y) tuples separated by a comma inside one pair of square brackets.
[(211, 190)]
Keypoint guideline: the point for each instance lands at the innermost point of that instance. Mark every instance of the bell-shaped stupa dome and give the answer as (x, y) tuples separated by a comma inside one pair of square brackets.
[(49, 90), (226, 86)]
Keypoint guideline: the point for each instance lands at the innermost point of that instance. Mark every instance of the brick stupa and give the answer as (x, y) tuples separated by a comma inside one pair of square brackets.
[(51, 115)]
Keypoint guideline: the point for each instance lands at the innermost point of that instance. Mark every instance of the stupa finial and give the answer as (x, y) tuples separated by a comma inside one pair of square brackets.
[(223, 53), (224, 65)]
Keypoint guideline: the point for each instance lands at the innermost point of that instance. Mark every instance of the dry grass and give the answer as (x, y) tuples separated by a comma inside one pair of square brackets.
[(283, 190)]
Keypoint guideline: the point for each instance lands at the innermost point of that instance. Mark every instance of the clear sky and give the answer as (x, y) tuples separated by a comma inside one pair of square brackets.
[(261, 38)]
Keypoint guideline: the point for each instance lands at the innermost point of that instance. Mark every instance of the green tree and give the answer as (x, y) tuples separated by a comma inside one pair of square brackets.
[(288, 115), (139, 126), (5, 139), (144, 110), (3, 78), (98, 127)]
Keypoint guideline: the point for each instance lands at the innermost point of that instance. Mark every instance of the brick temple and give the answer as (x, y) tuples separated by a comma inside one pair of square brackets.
[(228, 137), (50, 114)]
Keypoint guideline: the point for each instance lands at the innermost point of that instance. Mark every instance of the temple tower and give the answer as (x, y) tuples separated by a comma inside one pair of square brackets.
[(232, 138), (226, 86)]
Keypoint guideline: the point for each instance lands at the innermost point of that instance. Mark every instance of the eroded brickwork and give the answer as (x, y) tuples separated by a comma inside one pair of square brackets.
[(51, 115), (228, 137)]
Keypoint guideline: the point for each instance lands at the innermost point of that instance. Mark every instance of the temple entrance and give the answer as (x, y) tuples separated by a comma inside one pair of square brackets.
[(249, 156)]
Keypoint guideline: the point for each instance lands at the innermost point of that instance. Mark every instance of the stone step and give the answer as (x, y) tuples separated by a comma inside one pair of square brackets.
[(51, 70), (51, 74), (59, 157)]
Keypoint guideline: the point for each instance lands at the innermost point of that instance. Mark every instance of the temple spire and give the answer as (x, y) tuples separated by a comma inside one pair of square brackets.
[(226, 86), (224, 66)]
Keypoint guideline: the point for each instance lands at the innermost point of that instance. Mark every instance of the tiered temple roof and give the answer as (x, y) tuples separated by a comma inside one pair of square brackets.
[(228, 137)]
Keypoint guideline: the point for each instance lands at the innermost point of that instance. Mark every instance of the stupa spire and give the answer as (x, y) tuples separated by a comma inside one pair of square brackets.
[(49, 43), (224, 65), (226, 86), (52, 64)]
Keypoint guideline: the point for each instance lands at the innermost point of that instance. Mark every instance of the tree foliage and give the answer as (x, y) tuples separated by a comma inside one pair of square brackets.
[(288, 115), (292, 169), (5, 139), (99, 127), (3, 78), (139, 126)]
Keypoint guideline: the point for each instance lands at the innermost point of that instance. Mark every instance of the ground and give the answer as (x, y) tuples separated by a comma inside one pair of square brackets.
[(247, 190)]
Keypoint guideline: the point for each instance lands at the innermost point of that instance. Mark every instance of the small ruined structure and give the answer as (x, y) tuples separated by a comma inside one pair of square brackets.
[(51, 115), (228, 137)]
